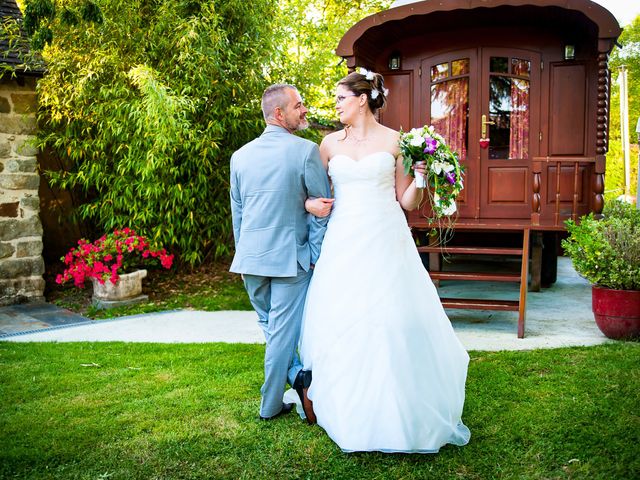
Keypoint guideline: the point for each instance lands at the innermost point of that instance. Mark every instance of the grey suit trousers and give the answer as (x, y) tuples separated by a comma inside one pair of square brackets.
[(279, 303)]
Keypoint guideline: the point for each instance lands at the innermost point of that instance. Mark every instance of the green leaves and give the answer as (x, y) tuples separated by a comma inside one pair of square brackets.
[(307, 36), (607, 252), (147, 108)]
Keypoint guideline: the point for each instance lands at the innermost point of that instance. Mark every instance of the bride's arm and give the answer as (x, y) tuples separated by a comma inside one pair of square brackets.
[(320, 207), (407, 194)]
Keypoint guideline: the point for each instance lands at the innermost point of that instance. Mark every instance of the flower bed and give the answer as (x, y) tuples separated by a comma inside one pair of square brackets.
[(109, 257)]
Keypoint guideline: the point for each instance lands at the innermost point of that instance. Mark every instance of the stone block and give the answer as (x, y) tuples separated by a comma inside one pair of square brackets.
[(21, 267), (30, 203), (24, 102), (5, 149), (21, 290), (10, 229), (9, 209), (30, 248), (20, 181), (18, 124), (5, 107), (28, 165), (6, 250), (26, 147), (12, 165)]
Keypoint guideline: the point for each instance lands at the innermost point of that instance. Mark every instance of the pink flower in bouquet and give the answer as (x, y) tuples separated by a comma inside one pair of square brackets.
[(451, 178), (431, 145)]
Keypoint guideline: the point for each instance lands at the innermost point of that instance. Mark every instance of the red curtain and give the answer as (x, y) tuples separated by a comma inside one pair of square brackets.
[(449, 107), (519, 131)]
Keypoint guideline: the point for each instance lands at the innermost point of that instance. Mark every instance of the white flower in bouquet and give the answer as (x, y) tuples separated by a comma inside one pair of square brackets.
[(449, 209), (417, 141), (438, 167)]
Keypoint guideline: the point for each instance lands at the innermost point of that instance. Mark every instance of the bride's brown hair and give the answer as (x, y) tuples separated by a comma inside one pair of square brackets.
[(357, 83)]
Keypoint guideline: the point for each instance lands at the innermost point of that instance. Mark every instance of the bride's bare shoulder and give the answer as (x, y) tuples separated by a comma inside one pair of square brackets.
[(392, 134), (330, 141), (389, 138), (333, 137)]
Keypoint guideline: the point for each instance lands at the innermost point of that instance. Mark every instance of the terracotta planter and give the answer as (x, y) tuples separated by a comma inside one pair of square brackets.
[(617, 312), (127, 290)]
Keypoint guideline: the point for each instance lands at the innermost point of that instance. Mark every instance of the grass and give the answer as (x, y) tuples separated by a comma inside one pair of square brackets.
[(209, 288), (143, 411)]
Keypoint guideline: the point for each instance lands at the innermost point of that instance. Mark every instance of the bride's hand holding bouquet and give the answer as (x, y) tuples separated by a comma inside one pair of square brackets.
[(424, 150)]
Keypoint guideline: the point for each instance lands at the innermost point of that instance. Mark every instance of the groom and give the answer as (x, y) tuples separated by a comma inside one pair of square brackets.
[(277, 241)]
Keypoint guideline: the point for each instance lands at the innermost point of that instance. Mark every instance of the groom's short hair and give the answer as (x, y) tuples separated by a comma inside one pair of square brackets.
[(275, 96)]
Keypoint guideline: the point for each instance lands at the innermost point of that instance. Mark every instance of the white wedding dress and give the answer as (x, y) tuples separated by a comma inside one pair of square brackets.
[(388, 370)]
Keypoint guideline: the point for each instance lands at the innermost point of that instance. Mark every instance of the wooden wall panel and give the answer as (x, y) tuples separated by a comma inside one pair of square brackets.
[(566, 184), (567, 110), (507, 185), (397, 113)]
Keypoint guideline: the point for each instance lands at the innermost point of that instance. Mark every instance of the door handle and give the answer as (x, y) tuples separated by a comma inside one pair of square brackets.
[(484, 126)]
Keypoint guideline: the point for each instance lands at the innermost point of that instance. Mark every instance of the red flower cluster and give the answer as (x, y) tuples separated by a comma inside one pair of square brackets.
[(108, 257)]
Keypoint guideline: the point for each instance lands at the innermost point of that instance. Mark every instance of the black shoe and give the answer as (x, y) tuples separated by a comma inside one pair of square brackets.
[(301, 386), (286, 408)]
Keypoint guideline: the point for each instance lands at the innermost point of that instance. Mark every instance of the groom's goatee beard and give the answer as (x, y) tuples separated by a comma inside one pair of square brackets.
[(303, 125)]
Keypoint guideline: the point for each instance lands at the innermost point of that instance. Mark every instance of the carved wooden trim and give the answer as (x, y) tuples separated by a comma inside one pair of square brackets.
[(604, 80), (535, 201), (598, 186)]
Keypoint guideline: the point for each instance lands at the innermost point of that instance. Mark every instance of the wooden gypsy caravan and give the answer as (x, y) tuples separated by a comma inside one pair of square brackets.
[(520, 89)]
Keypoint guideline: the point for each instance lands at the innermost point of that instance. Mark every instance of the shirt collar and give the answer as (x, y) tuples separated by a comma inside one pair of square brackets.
[(275, 129)]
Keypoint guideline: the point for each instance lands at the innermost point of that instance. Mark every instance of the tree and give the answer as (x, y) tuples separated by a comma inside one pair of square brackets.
[(308, 35), (147, 104), (628, 55)]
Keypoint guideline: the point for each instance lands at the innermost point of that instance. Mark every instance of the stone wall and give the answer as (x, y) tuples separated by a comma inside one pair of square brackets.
[(21, 263)]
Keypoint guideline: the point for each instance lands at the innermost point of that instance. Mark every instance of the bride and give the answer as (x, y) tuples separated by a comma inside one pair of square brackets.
[(388, 370)]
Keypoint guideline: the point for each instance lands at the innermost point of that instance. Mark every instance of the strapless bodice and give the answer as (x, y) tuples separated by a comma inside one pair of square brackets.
[(370, 180)]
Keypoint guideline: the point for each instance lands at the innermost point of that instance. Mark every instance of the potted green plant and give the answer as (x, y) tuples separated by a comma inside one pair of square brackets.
[(112, 263), (607, 253)]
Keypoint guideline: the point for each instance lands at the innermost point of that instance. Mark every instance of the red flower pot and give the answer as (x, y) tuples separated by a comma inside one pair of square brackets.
[(617, 312)]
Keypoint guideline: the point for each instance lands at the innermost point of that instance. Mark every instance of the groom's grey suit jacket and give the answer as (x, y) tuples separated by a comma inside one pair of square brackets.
[(271, 177)]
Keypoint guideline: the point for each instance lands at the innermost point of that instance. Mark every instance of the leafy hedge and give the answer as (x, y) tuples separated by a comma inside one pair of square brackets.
[(148, 103)]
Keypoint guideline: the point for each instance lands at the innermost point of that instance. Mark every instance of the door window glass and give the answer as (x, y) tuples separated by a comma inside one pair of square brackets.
[(520, 67), (450, 111), (499, 64), (509, 110), (440, 71), (460, 67)]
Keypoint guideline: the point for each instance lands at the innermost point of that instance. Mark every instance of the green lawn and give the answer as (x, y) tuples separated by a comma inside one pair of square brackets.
[(209, 288), (150, 411)]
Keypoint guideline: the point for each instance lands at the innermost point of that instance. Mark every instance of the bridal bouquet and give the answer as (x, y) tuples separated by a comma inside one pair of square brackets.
[(444, 172)]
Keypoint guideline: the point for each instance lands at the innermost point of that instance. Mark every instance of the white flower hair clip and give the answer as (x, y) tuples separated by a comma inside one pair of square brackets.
[(375, 92), (368, 74)]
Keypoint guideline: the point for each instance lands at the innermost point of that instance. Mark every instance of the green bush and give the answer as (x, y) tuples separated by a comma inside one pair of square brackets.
[(607, 252), (148, 104)]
